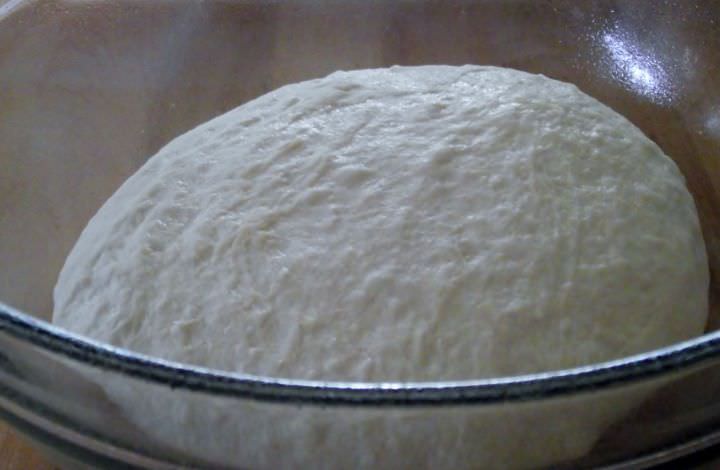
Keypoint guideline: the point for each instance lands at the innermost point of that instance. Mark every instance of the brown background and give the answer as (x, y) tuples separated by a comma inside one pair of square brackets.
[(16, 453)]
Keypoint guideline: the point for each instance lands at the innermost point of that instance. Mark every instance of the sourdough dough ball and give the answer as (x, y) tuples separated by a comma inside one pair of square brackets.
[(411, 223)]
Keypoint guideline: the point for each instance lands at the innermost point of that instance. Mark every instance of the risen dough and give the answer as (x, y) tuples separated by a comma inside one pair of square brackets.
[(411, 223)]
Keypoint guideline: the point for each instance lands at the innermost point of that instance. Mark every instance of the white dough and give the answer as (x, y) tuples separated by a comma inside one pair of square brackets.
[(411, 223)]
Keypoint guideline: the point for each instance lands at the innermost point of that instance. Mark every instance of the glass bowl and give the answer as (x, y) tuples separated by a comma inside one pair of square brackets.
[(90, 89)]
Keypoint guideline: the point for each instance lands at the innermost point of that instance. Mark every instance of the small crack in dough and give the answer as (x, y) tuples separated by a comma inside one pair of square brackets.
[(401, 224)]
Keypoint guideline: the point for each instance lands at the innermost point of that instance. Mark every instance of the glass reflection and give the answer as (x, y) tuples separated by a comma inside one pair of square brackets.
[(637, 68)]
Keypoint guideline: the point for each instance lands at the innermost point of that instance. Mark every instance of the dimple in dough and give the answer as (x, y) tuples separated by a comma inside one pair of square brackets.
[(401, 224)]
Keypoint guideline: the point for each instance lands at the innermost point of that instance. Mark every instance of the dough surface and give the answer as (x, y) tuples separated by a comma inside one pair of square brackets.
[(402, 224)]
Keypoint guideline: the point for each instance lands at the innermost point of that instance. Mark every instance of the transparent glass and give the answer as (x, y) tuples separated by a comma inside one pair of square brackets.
[(90, 89)]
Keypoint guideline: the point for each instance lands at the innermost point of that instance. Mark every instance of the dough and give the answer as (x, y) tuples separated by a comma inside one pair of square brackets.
[(402, 224)]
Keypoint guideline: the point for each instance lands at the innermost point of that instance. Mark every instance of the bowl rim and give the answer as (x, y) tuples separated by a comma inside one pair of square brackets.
[(530, 387)]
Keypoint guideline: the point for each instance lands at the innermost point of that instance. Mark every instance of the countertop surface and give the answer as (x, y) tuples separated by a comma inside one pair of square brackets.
[(16, 453)]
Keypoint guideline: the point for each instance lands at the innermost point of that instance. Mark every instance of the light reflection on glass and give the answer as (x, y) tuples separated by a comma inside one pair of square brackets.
[(712, 123), (638, 69), (8, 7)]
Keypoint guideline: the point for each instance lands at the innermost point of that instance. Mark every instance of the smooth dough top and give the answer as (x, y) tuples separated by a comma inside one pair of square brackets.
[(401, 224)]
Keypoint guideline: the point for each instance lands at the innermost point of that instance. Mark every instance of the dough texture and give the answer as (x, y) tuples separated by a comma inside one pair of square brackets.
[(401, 224)]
